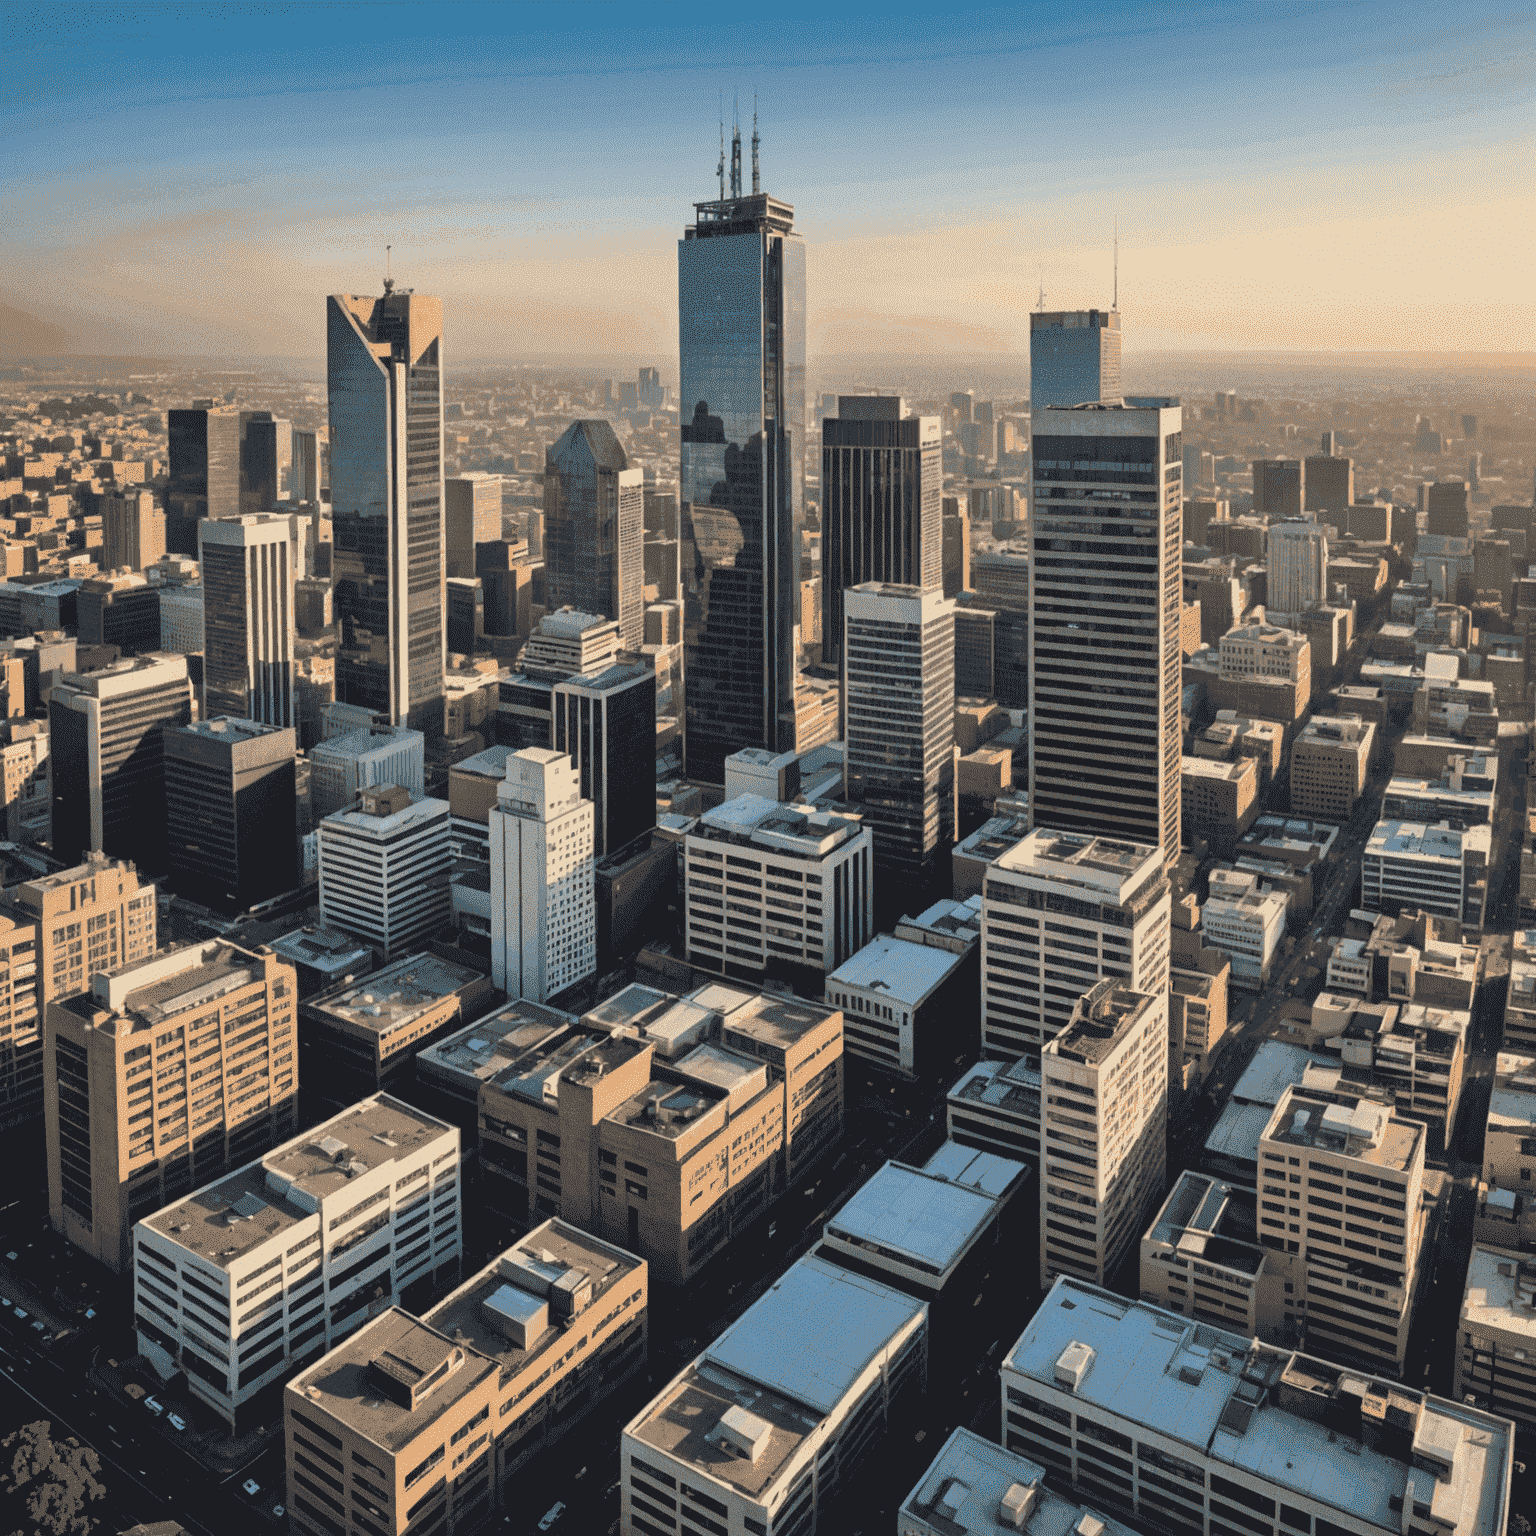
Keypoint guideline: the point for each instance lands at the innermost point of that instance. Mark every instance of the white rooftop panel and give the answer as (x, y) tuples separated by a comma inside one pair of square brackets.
[(897, 968), (916, 1214)]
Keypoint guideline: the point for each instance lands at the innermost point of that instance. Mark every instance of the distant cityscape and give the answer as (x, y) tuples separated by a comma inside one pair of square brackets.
[(782, 945)]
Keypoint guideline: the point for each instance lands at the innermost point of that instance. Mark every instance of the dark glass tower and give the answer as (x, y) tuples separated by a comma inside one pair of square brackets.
[(1074, 357), (741, 324), (204, 472), (384, 383)]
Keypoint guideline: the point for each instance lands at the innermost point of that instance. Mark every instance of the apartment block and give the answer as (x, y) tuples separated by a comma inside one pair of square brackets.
[(1104, 1082), (162, 1076), (1186, 1427), (1496, 1366), (1079, 907), (1416, 866), (329, 1230), (1197, 1016), (1246, 923), (768, 1421), (28, 803), (776, 889), (1330, 766)]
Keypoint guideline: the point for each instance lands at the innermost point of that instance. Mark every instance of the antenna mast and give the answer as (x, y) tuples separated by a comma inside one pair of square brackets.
[(1041, 304), (735, 151), (756, 186), (720, 166), (1115, 305), (389, 281)]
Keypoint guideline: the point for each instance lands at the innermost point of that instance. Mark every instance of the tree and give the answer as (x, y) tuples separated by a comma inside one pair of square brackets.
[(46, 1486)]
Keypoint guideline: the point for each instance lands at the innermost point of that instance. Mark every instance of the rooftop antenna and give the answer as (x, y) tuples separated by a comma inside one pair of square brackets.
[(389, 281), (1115, 304), (1041, 304), (720, 167), (735, 150), (756, 187)]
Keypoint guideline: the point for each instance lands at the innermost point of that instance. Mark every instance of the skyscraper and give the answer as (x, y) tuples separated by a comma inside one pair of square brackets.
[(132, 529), (471, 516), (384, 382), (607, 723), (1105, 576), (266, 460), (882, 503), (899, 702), (594, 529), (1298, 566), (1074, 357), (248, 566), (741, 324), (204, 471), (1279, 487)]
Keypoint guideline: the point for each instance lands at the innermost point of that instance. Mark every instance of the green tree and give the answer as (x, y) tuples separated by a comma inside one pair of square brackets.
[(47, 1486)]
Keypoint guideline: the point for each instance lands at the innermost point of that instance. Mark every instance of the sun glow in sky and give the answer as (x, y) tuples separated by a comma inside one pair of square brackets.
[(191, 178)]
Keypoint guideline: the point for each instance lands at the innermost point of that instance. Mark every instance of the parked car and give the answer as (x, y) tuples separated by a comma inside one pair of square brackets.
[(554, 1512), (251, 1487), (176, 1421), (154, 1405)]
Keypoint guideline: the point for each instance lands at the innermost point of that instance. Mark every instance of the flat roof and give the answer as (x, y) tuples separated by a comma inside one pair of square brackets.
[(1069, 854), (900, 969), (395, 996), (1500, 1291), (1237, 1131), (1275, 1066), (915, 1215), (1012, 1086), (491, 1044), (1512, 1104), (226, 1219), (774, 1019), (323, 949), (1367, 1130), (1423, 840), (801, 831), (1161, 1371), (993, 838)]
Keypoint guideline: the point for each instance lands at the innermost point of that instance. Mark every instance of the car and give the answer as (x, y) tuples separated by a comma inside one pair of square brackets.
[(278, 1511), (176, 1421), (251, 1487), (553, 1513), (20, 1313), (154, 1405)]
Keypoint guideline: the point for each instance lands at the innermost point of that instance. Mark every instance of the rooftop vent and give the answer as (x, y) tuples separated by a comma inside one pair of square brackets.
[(1073, 1365), (1017, 1505), (952, 1494), (742, 1434)]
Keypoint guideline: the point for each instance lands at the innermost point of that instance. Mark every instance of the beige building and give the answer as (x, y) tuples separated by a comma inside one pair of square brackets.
[(1197, 1015), (1506, 1204), (164, 1075), (1104, 1083), (1496, 1366), (1330, 766), (1520, 998), (1220, 801)]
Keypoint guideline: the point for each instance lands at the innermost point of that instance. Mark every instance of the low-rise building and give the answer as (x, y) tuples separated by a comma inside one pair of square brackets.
[(1451, 798), (1505, 1217), (323, 957), (1330, 764), (984, 846), (765, 1425), (1520, 997), (1413, 866), (995, 1107), (1496, 1365), (1193, 1428), (1420, 958), (1246, 923), (1220, 801), (327, 1230), (1197, 1016)]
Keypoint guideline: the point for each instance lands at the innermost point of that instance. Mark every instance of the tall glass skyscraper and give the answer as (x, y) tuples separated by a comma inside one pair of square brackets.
[(384, 382), (1074, 357), (204, 471), (741, 309)]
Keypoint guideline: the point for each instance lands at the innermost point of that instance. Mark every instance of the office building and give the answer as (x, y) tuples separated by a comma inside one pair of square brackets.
[(1218, 801), (249, 566), (1246, 923), (1356, 1161), (563, 644), (122, 610), (106, 734), (741, 396), (1033, 974), (231, 841), (606, 723), (776, 889), (974, 1485), (1413, 866), (384, 386), (594, 529), (995, 1107), (181, 618), (266, 460), (1496, 1364), (1298, 567), (309, 466), (328, 1230), (771, 1418), (1463, 798), (160, 1077), (343, 766), (449, 1070), (899, 734), (204, 471), (1105, 592), (132, 530), (881, 504), (1104, 1083), (1279, 487), (1330, 766), (471, 516), (1328, 485), (24, 766), (543, 905), (1074, 357), (1225, 1433), (1446, 508)]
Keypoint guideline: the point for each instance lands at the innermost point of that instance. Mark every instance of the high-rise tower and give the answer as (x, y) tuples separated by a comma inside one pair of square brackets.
[(1074, 357), (741, 333), (384, 383), (204, 471), (1106, 578), (249, 565)]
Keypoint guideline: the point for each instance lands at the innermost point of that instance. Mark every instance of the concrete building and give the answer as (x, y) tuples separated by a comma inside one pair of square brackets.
[(249, 566), (1265, 652), (28, 800), (1226, 1433), (132, 530), (181, 619), (776, 889), (1279, 487), (1220, 801), (898, 657), (471, 516), (106, 732), (328, 1229), (1197, 1020), (771, 1418), (1246, 923), (1074, 357), (231, 841), (384, 869), (132, 1113), (1463, 798), (1119, 902), (1330, 766), (1412, 866), (1496, 1366), (1231, 1151), (973, 855), (344, 765), (1328, 484), (449, 1070), (542, 904), (1298, 567), (1104, 1082), (995, 1107)]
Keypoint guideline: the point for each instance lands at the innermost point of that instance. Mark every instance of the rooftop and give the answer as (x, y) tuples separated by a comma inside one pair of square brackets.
[(799, 830), (1512, 1104), (1105, 1016), (1011, 1086), (993, 838), (1214, 768), (897, 968), (1346, 1126), (1210, 1220), (397, 995), (491, 1044), (1421, 840), (324, 949), (1501, 1291)]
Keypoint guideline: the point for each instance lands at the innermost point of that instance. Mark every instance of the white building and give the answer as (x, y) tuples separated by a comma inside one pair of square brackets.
[(1192, 1428), (543, 902), (1245, 924), (757, 771), (1349, 967), (1412, 866), (1081, 907), (249, 565), (1496, 1368), (181, 619), (775, 885), (280, 1260), (1298, 566), (1104, 1082), (760, 1430), (343, 766), (384, 869), (1264, 651)]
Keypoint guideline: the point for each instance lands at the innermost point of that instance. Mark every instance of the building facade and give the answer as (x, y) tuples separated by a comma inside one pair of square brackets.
[(607, 725), (1074, 357), (249, 565)]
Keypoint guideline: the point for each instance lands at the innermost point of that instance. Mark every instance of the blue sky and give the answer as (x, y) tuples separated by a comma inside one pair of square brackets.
[(197, 177)]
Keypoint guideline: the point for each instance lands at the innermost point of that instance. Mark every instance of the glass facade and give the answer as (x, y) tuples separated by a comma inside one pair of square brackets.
[(741, 307), (1074, 357), (203, 473), (384, 386)]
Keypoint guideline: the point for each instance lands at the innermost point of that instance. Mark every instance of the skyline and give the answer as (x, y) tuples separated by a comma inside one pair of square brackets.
[(1251, 161)]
